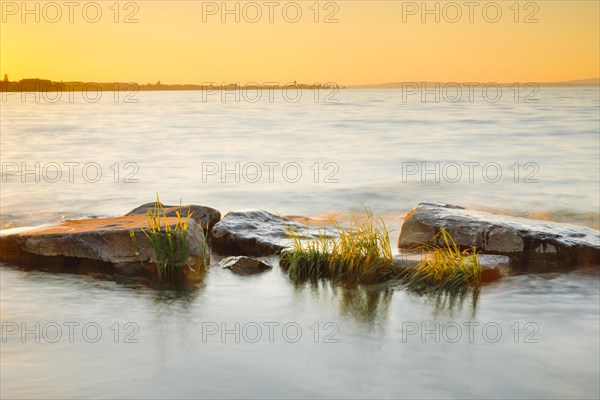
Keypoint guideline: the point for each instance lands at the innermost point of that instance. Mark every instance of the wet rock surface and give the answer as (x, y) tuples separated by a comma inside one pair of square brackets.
[(255, 233), (531, 245), (244, 265), (104, 241), (202, 214)]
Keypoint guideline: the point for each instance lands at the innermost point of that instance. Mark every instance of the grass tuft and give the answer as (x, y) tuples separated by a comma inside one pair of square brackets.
[(169, 243), (360, 253), (445, 268)]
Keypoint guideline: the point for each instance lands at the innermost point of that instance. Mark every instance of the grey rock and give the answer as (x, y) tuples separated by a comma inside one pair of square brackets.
[(531, 245), (244, 265), (256, 233)]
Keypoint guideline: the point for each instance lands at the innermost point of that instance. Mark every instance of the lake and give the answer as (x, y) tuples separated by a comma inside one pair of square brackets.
[(73, 336)]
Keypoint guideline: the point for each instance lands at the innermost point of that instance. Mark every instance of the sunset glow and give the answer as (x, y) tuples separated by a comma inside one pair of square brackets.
[(371, 42)]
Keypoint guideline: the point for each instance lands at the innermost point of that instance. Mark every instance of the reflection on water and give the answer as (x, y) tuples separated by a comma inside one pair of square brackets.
[(370, 304), (366, 304), (449, 302), (374, 354), (182, 297)]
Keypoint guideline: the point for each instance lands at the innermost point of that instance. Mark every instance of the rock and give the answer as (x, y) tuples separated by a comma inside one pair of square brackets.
[(493, 267), (105, 241), (244, 265), (256, 233), (531, 245), (203, 215)]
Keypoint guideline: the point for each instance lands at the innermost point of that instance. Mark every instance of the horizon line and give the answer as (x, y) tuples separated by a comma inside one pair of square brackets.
[(331, 84)]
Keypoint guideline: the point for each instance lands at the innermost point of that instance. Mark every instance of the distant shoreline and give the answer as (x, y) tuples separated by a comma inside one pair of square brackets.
[(44, 85), (401, 85)]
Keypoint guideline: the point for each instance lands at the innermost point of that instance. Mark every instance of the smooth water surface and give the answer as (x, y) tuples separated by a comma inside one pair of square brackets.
[(542, 158), (531, 336)]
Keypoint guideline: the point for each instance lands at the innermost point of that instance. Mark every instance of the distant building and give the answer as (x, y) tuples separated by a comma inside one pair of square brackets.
[(5, 78)]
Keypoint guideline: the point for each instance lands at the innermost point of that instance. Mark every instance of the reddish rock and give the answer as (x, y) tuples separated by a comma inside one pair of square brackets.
[(102, 241)]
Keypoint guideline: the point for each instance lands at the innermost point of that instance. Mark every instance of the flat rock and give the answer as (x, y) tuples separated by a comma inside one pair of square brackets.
[(101, 240), (256, 233), (244, 265), (203, 215), (531, 245)]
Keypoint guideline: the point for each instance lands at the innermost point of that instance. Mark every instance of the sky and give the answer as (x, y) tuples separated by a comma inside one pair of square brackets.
[(346, 42)]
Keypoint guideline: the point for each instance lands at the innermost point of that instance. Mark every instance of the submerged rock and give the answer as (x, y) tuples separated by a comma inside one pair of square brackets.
[(256, 233), (103, 242), (493, 267), (531, 245), (244, 265), (203, 215)]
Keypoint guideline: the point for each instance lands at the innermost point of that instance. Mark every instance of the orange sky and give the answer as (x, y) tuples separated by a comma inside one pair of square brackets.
[(370, 43)]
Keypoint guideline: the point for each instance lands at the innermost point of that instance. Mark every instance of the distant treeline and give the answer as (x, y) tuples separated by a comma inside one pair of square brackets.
[(45, 85)]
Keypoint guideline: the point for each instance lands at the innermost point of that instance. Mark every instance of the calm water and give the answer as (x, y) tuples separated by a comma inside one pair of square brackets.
[(366, 136), (534, 336), (371, 359)]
